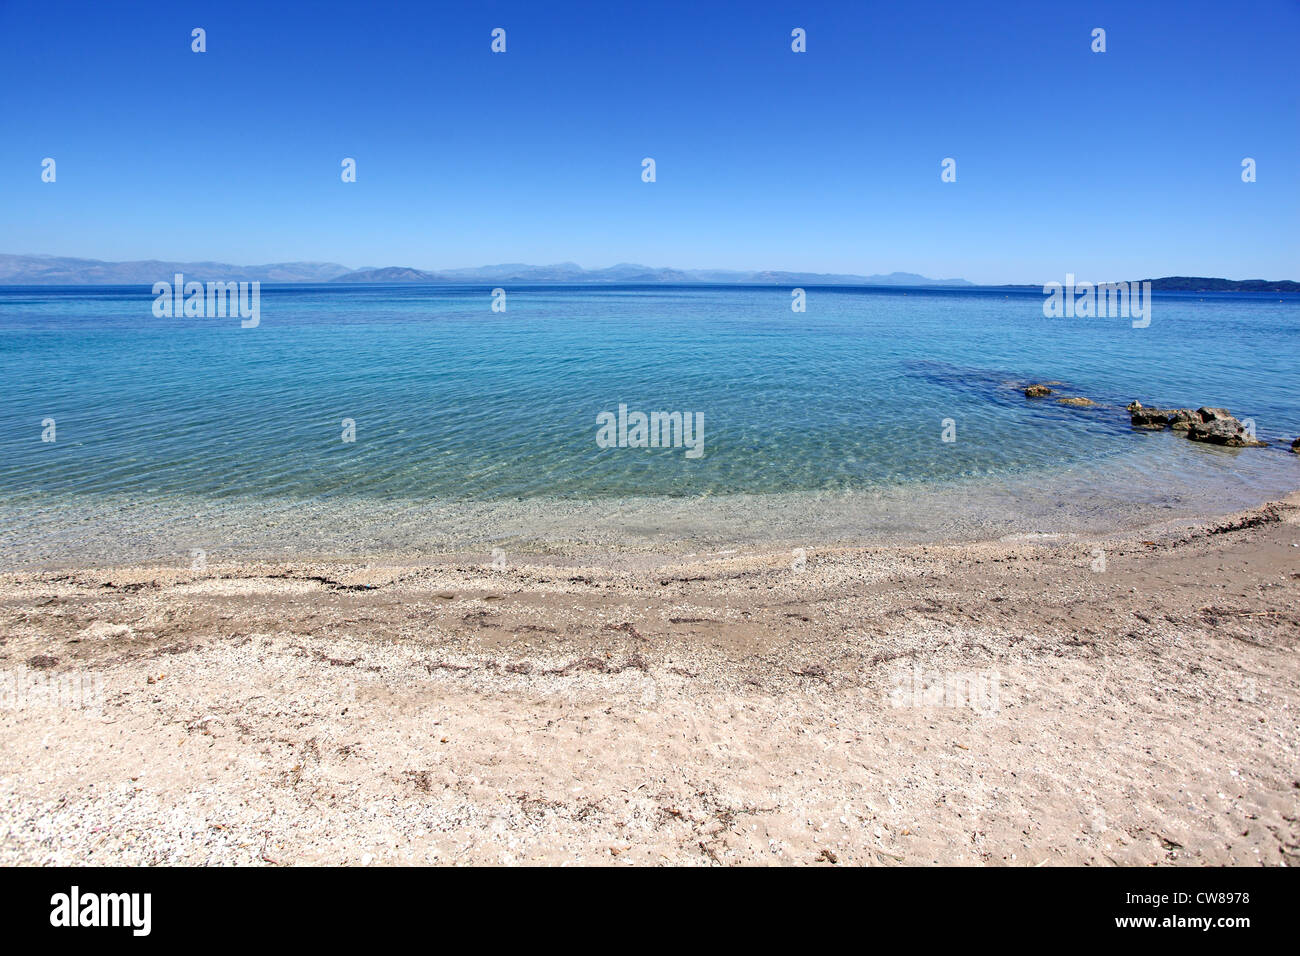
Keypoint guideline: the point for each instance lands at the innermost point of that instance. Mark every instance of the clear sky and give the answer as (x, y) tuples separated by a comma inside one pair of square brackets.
[(1112, 165)]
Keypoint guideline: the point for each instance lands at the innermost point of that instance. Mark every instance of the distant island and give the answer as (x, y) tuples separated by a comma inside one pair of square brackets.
[(1193, 284), (1198, 284), (59, 270)]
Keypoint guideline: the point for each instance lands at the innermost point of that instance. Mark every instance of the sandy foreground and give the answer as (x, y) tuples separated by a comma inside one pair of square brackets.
[(1027, 702)]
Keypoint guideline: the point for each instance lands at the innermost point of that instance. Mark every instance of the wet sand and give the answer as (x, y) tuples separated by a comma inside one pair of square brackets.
[(1040, 700)]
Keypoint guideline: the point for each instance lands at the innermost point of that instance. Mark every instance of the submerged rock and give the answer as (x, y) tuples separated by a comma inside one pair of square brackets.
[(1037, 391), (1078, 402)]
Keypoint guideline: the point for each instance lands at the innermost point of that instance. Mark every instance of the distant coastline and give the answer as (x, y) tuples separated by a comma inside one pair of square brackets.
[(631, 273), (1197, 284), (24, 270)]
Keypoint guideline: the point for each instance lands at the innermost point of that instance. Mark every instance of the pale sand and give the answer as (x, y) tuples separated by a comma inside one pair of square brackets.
[(728, 709)]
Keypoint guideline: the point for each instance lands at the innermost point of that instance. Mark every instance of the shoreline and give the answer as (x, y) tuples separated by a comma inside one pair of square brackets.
[(1001, 702), (1199, 483)]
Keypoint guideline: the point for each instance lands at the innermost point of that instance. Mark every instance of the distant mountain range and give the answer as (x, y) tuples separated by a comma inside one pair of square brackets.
[(630, 273), (56, 270)]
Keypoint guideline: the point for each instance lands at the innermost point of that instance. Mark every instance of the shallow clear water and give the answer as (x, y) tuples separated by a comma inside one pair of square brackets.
[(464, 412)]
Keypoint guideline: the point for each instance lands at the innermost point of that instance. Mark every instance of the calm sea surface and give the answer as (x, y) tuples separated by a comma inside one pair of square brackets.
[(474, 427)]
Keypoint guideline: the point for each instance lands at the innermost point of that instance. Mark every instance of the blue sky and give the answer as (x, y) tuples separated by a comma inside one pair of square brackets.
[(1110, 166)]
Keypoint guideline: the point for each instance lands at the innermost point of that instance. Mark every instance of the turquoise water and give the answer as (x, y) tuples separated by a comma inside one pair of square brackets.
[(458, 407)]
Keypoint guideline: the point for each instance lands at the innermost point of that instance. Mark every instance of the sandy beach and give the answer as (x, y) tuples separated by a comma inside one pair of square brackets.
[(1036, 701)]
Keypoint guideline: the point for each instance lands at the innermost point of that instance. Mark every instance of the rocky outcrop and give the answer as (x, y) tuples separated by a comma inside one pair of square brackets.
[(1215, 426), (1295, 446), (1151, 418), (1219, 432), (1037, 391)]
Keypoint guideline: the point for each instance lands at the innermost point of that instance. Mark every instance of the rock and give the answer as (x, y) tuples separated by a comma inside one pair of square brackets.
[(1215, 432), (1218, 431), (1153, 418), (1179, 419), (1078, 402), (1037, 391), (1295, 446), (106, 630), (1133, 406)]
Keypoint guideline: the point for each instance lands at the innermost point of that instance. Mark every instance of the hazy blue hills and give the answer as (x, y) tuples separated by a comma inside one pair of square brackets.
[(61, 270), (632, 273), (389, 274)]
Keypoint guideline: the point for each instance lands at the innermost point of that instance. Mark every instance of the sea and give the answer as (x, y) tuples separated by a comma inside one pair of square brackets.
[(361, 422)]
